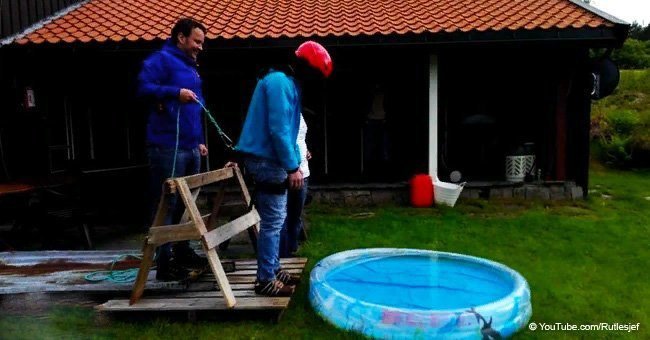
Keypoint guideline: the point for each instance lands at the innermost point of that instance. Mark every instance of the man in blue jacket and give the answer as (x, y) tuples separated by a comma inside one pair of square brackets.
[(170, 82), (271, 156)]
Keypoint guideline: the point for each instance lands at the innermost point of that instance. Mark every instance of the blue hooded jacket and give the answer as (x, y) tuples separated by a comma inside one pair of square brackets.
[(271, 127), (164, 73)]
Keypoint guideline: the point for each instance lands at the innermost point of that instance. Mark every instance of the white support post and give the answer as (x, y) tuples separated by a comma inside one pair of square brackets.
[(433, 116)]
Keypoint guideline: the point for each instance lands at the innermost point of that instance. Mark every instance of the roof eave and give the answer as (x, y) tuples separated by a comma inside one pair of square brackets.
[(608, 37)]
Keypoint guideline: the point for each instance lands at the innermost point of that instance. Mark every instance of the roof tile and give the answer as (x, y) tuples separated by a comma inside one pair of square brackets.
[(101, 20)]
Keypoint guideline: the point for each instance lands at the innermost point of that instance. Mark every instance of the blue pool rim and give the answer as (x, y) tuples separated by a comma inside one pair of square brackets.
[(508, 314)]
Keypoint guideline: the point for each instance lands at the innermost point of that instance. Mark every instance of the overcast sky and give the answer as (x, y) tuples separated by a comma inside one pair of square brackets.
[(628, 10)]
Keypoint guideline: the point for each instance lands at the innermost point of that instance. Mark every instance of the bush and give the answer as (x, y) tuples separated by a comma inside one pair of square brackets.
[(620, 124), (634, 54), (623, 122)]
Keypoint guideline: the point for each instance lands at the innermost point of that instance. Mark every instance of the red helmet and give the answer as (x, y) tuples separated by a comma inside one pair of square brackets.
[(316, 56)]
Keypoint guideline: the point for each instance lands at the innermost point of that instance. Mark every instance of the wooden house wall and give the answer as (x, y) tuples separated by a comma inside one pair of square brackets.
[(93, 89)]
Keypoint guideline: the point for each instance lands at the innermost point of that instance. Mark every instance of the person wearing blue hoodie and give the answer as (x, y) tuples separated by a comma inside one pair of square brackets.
[(170, 83), (267, 145)]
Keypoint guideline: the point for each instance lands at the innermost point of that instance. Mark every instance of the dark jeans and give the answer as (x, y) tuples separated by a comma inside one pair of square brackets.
[(293, 223), (161, 163)]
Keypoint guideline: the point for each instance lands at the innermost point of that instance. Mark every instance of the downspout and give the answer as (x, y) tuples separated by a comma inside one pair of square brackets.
[(433, 116)]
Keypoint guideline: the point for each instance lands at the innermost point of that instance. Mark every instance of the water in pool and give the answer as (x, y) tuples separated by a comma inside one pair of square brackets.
[(420, 282)]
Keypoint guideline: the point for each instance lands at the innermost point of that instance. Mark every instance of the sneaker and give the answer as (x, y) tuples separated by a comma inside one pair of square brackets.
[(273, 288), (287, 278), (171, 271), (186, 257)]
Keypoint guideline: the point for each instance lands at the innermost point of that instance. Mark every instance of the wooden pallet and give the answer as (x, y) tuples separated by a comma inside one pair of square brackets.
[(241, 282)]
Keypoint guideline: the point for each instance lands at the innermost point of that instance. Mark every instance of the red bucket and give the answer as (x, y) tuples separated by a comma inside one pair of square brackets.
[(421, 191)]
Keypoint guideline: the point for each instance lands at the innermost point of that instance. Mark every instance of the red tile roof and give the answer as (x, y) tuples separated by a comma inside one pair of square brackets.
[(102, 20)]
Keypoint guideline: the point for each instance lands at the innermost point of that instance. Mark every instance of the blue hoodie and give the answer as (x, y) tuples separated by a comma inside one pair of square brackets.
[(271, 127), (163, 75)]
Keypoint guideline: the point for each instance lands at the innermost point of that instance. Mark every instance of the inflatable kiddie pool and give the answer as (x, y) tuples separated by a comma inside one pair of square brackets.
[(390, 293)]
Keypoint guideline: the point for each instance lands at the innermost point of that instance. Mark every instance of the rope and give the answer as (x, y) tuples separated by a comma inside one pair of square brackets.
[(224, 138), (178, 123), (115, 276)]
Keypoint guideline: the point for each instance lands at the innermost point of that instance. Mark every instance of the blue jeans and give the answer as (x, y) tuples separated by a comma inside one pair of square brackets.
[(161, 163), (271, 204), (293, 224)]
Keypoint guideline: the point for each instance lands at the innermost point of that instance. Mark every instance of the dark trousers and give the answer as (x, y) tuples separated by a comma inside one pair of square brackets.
[(293, 223), (161, 164)]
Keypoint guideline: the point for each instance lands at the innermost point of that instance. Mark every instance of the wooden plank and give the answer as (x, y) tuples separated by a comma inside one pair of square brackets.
[(282, 261), (243, 276), (213, 294), (24, 14), (5, 18), (148, 252), (164, 234), (15, 15), (143, 273), (195, 195), (286, 266), (40, 11), (213, 259), (175, 232), (243, 303), (33, 14), (244, 189), (253, 231), (201, 179), (215, 237), (254, 272), (233, 280), (161, 212), (216, 206), (561, 129), (47, 8)]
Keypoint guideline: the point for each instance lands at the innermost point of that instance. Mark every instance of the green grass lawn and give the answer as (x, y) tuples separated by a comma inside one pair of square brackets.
[(586, 262)]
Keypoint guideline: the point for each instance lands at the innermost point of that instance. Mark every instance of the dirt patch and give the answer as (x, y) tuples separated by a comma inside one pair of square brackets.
[(63, 265)]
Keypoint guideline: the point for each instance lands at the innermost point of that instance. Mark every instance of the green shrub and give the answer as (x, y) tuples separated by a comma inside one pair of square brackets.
[(634, 54), (620, 124), (623, 122)]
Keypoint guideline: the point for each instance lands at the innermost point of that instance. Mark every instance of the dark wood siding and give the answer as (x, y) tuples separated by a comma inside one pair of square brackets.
[(17, 15)]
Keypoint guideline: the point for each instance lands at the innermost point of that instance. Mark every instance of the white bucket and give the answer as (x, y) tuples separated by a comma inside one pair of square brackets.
[(446, 193)]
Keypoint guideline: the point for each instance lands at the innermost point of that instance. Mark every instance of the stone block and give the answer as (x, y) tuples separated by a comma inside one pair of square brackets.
[(577, 193), (384, 196), (356, 197), (558, 196), (519, 192), (495, 193), (533, 192)]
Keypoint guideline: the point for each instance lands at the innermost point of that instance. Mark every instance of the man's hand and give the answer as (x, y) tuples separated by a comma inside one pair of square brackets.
[(231, 165), (203, 150), (295, 180), (308, 155), (187, 96)]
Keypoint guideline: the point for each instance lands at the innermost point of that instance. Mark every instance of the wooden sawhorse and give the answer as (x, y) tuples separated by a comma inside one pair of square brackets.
[(194, 226)]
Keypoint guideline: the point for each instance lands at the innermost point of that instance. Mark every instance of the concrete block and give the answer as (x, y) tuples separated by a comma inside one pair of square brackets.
[(383, 196), (496, 193), (577, 193), (519, 192), (356, 197)]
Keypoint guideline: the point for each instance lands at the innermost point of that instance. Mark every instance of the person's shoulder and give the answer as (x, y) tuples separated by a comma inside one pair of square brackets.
[(276, 77), (156, 56)]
